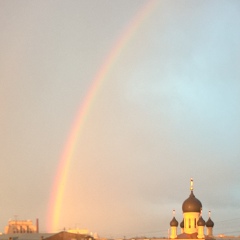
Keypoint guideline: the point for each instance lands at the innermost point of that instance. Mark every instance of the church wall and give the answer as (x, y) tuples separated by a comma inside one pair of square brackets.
[(190, 222)]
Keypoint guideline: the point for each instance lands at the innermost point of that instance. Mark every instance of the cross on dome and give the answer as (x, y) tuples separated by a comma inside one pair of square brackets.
[(191, 184)]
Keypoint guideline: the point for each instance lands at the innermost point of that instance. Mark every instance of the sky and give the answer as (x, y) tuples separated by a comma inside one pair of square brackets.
[(166, 110)]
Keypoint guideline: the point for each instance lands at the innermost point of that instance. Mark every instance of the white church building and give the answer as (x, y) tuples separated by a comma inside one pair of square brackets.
[(192, 226)]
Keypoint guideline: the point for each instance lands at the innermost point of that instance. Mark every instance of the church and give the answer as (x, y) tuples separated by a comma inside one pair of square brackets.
[(192, 225)]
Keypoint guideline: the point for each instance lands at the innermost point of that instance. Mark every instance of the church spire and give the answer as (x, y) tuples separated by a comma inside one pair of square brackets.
[(191, 185)]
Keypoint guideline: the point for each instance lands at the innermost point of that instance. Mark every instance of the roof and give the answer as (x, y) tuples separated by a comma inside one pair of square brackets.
[(174, 222), (67, 235), (25, 236), (192, 236), (192, 204), (50, 236)]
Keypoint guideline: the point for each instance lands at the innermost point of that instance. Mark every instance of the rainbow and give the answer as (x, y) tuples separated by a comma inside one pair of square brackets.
[(57, 193)]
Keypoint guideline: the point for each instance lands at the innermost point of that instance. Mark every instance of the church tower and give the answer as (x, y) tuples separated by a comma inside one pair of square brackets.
[(193, 224), (173, 225), (191, 208), (209, 225)]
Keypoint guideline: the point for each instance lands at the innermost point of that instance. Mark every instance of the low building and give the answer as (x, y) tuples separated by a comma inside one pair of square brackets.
[(21, 226), (46, 236)]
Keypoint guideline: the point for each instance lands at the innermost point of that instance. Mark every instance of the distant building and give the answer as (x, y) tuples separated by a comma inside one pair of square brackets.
[(192, 225), (79, 231), (67, 235), (46, 236), (21, 226)]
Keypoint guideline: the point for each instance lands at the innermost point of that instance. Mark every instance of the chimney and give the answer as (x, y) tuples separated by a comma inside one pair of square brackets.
[(37, 226)]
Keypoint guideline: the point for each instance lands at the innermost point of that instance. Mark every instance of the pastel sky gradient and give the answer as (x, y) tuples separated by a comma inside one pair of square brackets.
[(167, 110)]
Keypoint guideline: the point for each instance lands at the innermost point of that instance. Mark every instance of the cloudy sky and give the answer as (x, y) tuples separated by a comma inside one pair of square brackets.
[(167, 110)]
